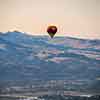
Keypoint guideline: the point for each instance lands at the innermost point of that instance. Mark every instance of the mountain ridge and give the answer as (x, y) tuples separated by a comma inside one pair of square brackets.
[(38, 57), (24, 33)]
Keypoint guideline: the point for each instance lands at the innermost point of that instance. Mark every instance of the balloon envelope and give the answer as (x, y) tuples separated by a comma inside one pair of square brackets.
[(52, 30)]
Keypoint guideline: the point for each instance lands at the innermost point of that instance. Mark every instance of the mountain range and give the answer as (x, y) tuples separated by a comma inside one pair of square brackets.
[(27, 57)]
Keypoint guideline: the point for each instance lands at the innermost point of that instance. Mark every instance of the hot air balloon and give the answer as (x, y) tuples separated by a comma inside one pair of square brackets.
[(52, 30)]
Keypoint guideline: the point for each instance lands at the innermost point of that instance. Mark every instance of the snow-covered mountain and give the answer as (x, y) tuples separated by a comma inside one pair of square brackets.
[(25, 57)]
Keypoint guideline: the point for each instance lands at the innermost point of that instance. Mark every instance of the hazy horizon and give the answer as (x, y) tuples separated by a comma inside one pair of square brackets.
[(75, 18)]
